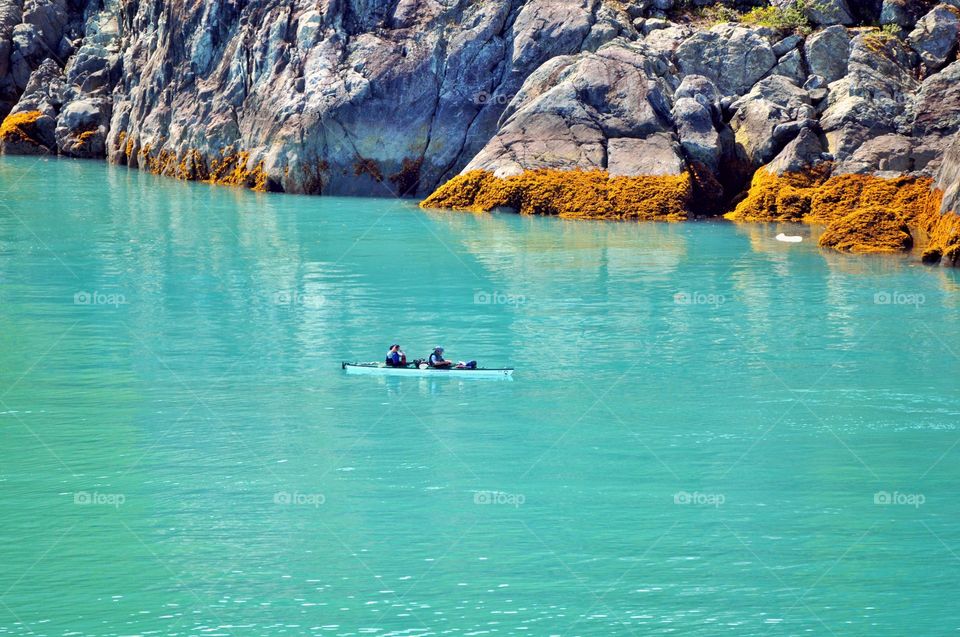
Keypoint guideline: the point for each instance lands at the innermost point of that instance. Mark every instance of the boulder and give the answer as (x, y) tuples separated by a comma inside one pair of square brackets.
[(654, 24), (49, 19), (887, 153), (804, 152), (667, 40), (769, 116), (828, 12), (27, 133), (791, 66), (936, 118), (827, 52), (45, 90), (699, 88), (30, 130), (733, 57), (897, 12), (82, 127), (936, 110), (786, 45), (814, 82), (935, 36), (695, 128)]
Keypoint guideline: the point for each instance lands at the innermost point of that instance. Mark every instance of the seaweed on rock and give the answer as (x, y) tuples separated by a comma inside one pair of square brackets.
[(21, 127), (868, 230), (863, 213), (575, 194)]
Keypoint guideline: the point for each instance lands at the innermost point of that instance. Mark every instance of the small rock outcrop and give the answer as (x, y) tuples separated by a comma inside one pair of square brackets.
[(935, 35)]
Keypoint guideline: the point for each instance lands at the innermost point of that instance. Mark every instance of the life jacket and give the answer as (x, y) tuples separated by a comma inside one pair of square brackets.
[(434, 359)]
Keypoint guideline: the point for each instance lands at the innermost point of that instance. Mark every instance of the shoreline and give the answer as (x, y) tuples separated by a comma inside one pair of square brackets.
[(921, 224)]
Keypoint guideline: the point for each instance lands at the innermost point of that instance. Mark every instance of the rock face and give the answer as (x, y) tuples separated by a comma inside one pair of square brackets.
[(733, 57), (398, 97), (606, 110)]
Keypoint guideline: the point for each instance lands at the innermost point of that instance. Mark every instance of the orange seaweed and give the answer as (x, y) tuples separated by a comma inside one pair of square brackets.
[(574, 194), (20, 127), (868, 230)]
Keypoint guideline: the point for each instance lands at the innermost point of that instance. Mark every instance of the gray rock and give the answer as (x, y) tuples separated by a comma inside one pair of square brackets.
[(45, 90), (827, 52), (567, 110), (695, 128), (936, 110), (947, 178), (791, 66), (828, 12), (657, 154), (799, 155), (936, 118), (897, 12), (733, 57), (82, 127), (654, 24), (44, 93), (667, 40), (935, 36), (700, 89), (814, 82), (768, 117), (889, 153), (874, 98), (786, 45)]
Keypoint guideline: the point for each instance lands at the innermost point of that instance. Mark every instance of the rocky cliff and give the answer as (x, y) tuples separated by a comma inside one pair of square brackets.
[(796, 111)]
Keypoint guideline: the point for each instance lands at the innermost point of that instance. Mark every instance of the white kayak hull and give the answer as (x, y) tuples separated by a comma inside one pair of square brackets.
[(380, 369)]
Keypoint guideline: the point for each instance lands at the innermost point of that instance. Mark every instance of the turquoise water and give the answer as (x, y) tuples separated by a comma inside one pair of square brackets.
[(701, 424)]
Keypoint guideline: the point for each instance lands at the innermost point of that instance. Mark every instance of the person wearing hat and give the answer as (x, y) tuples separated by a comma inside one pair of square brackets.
[(395, 357), (437, 360)]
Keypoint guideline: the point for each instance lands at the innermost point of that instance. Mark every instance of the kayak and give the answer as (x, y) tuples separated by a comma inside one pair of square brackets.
[(380, 369)]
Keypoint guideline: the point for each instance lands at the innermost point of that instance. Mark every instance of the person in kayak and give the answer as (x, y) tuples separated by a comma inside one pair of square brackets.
[(436, 359), (396, 357)]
